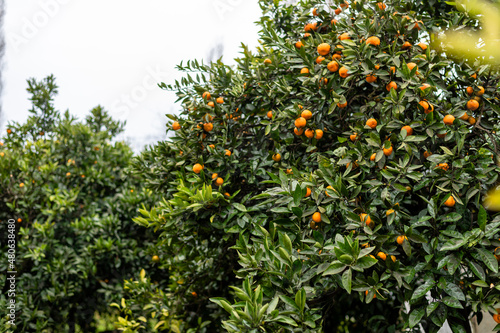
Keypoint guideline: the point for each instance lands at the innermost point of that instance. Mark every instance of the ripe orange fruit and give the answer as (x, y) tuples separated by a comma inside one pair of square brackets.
[(424, 86), (411, 65), (336, 56), (319, 134), (300, 122), (465, 116), (422, 46), (300, 106), (304, 70), (227, 152), (323, 49), (307, 35), (389, 212), (21, 185), (481, 91), (333, 66), (342, 105), (393, 258), (343, 72), (316, 217), (353, 136), (208, 127), (299, 44), (474, 76), (409, 130), (197, 168), (441, 135), (393, 70), (388, 151), (270, 114), (365, 218), (382, 255), (314, 227), (372, 123), (472, 120), (298, 131), (377, 66), (427, 154), (227, 194), (401, 239), (310, 27), (470, 90), (306, 114), (371, 78), (315, 12), (219, 181), (375, 41), (319, 59), (308, 192), (214, 175), (472, 105), (19, 220), (448, 119), (309, 133), (206, 95), (344, 36), (220, 100), (406, 45), (155, 258), (338, 11), (450, 202), (496, 318), (333, 22), (443, 166), (391, 85), (372, 157), (176, 126), (277, 157), (268, 61), (381, 5), (211, 104), (424, 105)]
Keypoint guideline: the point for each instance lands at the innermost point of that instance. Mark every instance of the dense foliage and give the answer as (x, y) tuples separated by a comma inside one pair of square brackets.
[(66, 184), (364, 214)]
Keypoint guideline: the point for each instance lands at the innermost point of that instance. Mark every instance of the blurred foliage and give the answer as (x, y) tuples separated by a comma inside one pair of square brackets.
[(66, 184)]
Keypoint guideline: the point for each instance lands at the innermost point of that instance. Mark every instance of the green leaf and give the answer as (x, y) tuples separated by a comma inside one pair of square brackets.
[(290, 302), (452, 302), (454, 291), (347, 280), (300, 299), (477, 270), (489, 260), (240, 207), (287, 243), (481, 218), (415, 316), (285, 320), (334, 268), (422, 289), (366, 262), (431, 307)]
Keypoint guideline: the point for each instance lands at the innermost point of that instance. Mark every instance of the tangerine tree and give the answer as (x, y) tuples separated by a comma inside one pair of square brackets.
[(338, 172), (65, 184)]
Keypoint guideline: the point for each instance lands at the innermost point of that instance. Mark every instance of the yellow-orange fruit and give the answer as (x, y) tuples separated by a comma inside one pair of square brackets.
[(391, 85), (306, 114), (409, 130), (472, 105), (372, 157), (308, 192), (371, 78), (366, 218), (382, 255), (448, 119), (388, 151), (299, 44), (333, 66), (197, 168), (319, 134), (208, 127), (323, 49), (309, 133), (316, 217), (375, 41), (227, 152), (343, 72), (270, 114), (206, 95), (353, 137), (219, 181), (277, 157), (372, 123), (176, 126), (470, 90), (300, 122), (401, 239), (267, 61), (298, 131), (304, 70), (450, 202), (342, 105)]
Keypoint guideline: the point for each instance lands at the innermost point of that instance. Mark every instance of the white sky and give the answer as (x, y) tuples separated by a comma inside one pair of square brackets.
[(112, 53)]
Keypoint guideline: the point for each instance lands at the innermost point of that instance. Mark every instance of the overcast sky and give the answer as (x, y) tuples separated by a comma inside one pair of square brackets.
[(112, 53)]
